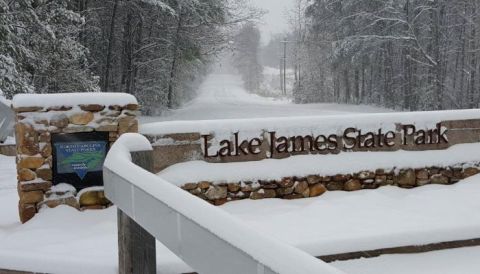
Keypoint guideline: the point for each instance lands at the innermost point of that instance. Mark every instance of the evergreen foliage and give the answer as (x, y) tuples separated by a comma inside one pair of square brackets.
[(157, 50), (404, 54)]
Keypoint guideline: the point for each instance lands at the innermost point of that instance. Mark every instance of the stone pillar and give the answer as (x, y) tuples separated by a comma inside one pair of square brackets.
[(34, 127)]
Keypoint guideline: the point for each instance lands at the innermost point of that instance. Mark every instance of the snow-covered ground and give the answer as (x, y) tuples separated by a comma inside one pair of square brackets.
[(63, 240), (222, 96), (453, 261), (341, 222)]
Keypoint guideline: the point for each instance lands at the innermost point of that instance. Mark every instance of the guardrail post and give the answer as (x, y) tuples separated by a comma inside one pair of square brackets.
[(136, 247)]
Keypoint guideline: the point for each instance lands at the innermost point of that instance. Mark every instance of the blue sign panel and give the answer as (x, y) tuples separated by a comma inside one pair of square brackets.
[(80, 157)]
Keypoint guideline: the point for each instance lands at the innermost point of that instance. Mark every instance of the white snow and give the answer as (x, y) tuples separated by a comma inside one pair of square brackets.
[(324, 165), (64, 240), (63, 188), (71, 99), (207, 216), (60, 191), (9, 141), (310, 125), (4, 100), (453, 261), (34, 181), (32, 118), (119, 154), (271, 81), (340, 222), (8, 172), (8, 194), (222, 96), (89, 189)]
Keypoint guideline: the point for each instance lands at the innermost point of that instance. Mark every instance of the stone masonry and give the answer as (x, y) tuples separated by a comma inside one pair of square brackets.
[(187, 144), (218, 193), (33, 130)]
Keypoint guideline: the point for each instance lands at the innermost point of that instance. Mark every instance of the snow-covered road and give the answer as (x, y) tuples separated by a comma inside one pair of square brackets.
[(222, 96)]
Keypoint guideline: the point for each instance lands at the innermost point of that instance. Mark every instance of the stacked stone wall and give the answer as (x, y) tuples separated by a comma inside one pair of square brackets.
[(34, 129), (218, 193), (8, 150)]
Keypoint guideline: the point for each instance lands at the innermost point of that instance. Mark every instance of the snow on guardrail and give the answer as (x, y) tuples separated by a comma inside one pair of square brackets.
[(205, 237)]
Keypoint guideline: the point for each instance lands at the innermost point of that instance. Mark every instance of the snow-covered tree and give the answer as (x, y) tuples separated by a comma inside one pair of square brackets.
[(13, 54), (39, 49), (246, 59), (157, 50), (409, 54)]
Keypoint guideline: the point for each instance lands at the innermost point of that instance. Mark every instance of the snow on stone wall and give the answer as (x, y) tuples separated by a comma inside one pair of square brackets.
[(312, 175), (226, 160), (278, 138), (37, 101), (38, 118)]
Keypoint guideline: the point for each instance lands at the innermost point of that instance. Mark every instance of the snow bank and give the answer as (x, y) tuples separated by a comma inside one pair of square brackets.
[(70, 99), (340, 222), (324, 165), (8, 173), (309, 125), (452, 261)]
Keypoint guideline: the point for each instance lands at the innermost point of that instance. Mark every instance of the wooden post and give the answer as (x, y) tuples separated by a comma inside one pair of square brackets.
[(136, 247)]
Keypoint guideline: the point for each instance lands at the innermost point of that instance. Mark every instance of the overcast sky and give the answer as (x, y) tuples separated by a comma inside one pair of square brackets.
[(275, 20)]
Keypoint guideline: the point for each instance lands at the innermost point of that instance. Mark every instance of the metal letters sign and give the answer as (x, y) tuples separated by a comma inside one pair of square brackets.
[(78, 158), (352, 138)]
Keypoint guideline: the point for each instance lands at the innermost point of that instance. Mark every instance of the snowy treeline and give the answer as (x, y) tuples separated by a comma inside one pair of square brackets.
[(246, 56), (409, 54), (158, 50), (39, 48)]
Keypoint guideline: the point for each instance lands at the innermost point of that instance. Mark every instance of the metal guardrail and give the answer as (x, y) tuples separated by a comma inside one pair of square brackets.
[(204, 236), (7, 120)]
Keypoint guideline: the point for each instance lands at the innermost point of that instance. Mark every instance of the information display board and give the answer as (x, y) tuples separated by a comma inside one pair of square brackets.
[(78, 158)]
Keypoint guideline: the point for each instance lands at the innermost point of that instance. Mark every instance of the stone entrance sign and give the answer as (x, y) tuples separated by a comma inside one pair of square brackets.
[(214, 143), (62, 140), (78, 158)]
